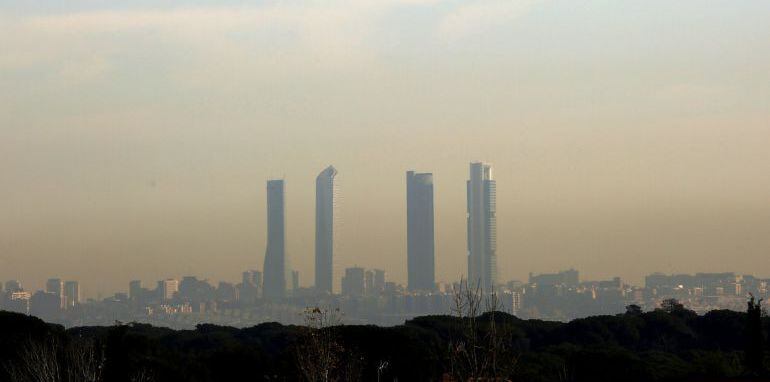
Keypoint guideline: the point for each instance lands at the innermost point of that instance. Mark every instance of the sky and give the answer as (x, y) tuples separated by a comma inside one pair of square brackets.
[(626, 138)]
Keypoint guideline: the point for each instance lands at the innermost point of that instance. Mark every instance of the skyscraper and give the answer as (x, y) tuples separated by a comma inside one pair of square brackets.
[(276, 270), (482, 227), (353, 282), (71, 294), (325, 211), (56, 286), (420, 232), (167, 289)]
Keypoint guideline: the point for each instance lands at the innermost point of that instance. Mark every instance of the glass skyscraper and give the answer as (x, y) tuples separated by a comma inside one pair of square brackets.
[(420, 231), (325, 215), (482, 228), (276, 269)]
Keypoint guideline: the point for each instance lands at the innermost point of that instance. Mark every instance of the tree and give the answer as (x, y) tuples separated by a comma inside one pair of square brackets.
[(479, 347), (319, 352), (671, 305), (755, 338), (634, 310)]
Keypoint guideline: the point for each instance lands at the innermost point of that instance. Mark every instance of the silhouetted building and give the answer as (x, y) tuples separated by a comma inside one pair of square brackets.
[(167, 289), (325, 215), (71, 294), (379, 280), (13, 286), (482, 227), (136, 292), (250, 286), (294, 280), (276, 268), (226, 292), (56, 286), (45, 305), (420, 231), (17, 301), (353, 282), (369, 283), (569, 278)]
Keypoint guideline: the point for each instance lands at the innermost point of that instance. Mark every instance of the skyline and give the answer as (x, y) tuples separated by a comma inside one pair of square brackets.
[(627, 138)]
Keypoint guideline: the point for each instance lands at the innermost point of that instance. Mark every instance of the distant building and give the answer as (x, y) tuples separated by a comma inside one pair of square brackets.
[(226, 292), (17, 301), (71, 294), (420, 231), (369, 283), (379, 280), (168, 288), (569, 278), (276, 269), (13, 286), (482, 227), (56, 286), (353, 282), (135, 290), (325, 215), (294, 280), (45, 305), (250, 287)]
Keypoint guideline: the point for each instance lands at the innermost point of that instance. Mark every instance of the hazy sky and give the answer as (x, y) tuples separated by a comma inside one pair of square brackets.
[(626, 137)]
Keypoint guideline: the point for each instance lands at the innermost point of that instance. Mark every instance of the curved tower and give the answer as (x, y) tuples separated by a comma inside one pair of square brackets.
[(325, 211), (276, 269)]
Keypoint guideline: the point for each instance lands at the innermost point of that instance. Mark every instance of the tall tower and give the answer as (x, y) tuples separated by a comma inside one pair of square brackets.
[(276, 270), (325, 211), (419, 232), (482, 228)]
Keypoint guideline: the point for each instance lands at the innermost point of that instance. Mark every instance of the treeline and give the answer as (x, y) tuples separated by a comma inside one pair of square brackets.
[(668, 344)]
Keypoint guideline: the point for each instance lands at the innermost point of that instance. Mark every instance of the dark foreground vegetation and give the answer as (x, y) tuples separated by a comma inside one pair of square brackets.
[(669, 344)]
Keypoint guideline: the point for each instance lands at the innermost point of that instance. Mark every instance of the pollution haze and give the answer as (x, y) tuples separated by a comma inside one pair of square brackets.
[(136, 138)]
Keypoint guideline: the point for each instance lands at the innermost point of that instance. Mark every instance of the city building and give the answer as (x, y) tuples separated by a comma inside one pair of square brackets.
[(17, 301), (482, 227), (46, 305), (379, 280), (135, 290), (569, 278), (325, 215), (71, 294), (420, 231), (294, 281), (276, 270), (13, 286), (353, 282), (56, 286), (167, 289)]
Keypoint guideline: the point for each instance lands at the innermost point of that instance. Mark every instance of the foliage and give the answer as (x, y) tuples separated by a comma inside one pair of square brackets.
[(669, 344)]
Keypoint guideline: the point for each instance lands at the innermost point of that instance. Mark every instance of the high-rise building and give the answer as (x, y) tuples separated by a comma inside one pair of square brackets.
[(325, 215), (167, 289), (276, 270), (420, 231), (135, 290), (71, 294), (379, 280), (482, 227), (13, 286), (353, 282), (45, 305), (56, 286), (369, 283), (17, 301), (294, 281)]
